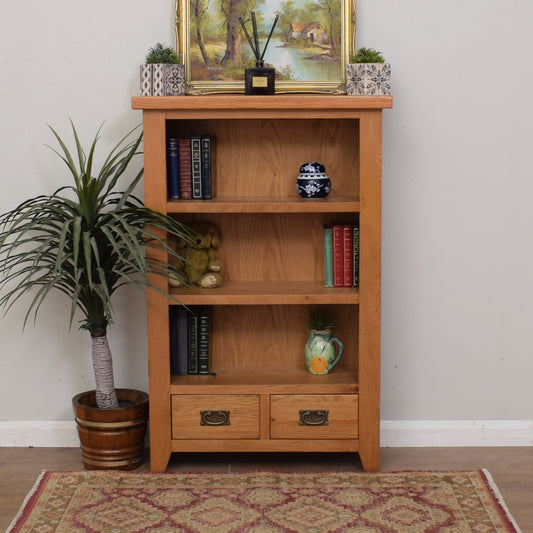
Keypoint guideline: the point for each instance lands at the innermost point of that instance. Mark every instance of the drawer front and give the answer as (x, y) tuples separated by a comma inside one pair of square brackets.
[(328, 416), (215, 416)]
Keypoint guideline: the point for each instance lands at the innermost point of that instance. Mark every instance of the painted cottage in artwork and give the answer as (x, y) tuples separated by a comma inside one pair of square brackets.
[(308, 30)]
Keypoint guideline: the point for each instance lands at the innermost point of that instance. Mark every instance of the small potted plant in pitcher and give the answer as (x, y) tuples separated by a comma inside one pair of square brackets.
[(320, 353)]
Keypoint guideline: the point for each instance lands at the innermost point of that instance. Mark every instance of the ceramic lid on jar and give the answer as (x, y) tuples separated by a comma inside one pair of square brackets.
[(313, 167)]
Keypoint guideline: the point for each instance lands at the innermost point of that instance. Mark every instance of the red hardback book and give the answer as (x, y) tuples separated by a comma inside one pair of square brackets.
[(347, 254), (338, 256), (185, 168)]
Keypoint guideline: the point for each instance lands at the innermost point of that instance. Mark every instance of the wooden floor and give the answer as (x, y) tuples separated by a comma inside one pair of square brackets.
[(511, 469)]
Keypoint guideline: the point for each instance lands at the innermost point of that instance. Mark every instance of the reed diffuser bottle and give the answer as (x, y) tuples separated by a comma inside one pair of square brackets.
[(261, 79)]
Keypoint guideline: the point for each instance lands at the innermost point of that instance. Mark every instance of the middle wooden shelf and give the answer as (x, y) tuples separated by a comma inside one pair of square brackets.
[(267, 293)]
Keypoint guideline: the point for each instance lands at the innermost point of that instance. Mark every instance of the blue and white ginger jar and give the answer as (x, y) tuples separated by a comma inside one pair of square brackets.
[(313, 182)]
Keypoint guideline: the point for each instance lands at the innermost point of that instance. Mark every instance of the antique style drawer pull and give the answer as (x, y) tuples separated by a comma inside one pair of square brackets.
[(214, 418), (314, 418)]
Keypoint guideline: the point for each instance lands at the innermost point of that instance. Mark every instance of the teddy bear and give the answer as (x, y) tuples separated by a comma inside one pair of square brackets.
[(201, 264)]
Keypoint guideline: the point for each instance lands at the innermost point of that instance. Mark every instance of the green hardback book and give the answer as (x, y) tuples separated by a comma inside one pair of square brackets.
[(328, 256)]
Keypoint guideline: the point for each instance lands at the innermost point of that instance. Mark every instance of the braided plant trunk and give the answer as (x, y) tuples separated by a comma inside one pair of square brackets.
[(106, 396)]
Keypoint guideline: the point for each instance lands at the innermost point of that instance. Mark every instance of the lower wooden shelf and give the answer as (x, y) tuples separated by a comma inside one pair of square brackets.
[(256, 380)]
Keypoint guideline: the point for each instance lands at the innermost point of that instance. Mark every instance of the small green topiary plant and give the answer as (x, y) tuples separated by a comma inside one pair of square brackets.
[(368, 55), (162, 54)]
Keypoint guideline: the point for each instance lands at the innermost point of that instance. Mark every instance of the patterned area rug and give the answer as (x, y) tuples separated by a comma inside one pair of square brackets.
[(264, 502)]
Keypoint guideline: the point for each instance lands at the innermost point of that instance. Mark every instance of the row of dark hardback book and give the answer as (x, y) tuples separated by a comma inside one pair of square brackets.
[(341, 255), (189, 341), (190, 168)]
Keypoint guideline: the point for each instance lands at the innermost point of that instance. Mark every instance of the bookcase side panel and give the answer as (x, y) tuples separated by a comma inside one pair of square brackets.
[(157, 304), (154, 148), (370, 288)]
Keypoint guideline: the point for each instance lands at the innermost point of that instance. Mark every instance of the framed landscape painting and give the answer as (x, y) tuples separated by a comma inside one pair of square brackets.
[(309, 47)]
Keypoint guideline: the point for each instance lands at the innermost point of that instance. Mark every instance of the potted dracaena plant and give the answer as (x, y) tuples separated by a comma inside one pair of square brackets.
[(162, 74), (87, 239), (368, 73)]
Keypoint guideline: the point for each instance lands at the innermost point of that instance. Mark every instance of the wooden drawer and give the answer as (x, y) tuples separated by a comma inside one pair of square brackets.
[(328, 416), (215, 416)]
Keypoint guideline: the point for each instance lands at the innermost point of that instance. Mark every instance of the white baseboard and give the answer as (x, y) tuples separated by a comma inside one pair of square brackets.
[(394, 433), (39, 433), (421, 433)]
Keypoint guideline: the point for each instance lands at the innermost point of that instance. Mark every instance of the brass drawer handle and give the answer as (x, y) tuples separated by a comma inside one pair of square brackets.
[(314, 418), (214, 418)]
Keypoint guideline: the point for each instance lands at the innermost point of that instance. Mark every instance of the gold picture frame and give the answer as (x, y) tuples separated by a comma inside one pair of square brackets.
[(307, 58)]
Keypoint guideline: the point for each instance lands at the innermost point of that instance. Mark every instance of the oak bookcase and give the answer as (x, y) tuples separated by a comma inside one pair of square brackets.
[(273, 267)]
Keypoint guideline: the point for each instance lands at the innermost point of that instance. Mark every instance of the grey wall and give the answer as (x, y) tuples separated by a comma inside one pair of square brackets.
[(457, 189)]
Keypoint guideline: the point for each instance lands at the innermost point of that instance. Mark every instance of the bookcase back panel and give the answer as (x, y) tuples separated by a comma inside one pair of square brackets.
[(273, 247), (263, 157), (274, 336)]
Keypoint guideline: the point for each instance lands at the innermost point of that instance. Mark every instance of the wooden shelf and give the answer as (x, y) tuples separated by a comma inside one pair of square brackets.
[(277, 103), (267, 293), (237, 204), (254, 380)]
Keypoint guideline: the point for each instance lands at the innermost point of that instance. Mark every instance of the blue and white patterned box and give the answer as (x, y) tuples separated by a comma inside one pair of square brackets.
[(174, 80), (368, 78), (146, 80), (161, 79)]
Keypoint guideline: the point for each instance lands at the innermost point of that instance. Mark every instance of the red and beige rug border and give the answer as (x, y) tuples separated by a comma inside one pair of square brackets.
[(40, 484), (491, 485)]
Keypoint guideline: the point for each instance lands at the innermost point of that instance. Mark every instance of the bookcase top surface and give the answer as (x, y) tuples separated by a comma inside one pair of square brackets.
[(274, 102)]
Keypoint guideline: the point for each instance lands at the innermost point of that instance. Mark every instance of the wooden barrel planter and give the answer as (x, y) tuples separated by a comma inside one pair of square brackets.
[(112, 439)]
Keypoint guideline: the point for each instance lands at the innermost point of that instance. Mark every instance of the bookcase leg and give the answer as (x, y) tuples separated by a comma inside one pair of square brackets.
[(159, 460), (369, 460)]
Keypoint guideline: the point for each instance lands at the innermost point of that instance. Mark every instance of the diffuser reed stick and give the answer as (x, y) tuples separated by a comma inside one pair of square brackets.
[(254, 45), (269, 35), (256, 37), (256, 52)]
